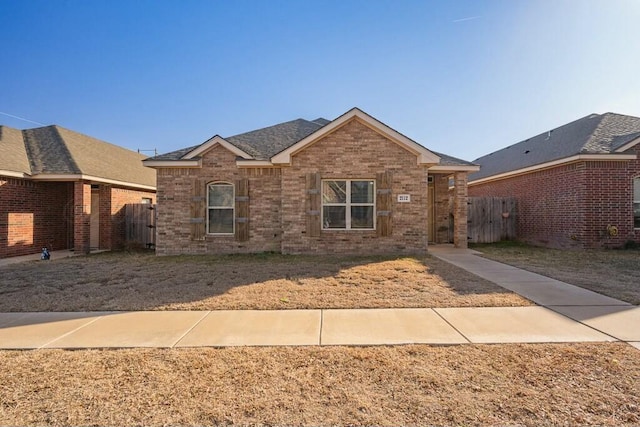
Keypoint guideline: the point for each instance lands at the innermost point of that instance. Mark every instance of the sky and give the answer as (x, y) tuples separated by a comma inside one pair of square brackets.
[(461, 77)]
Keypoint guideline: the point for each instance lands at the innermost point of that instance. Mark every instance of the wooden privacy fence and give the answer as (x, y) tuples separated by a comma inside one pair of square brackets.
[(491, 219), (140, 219)]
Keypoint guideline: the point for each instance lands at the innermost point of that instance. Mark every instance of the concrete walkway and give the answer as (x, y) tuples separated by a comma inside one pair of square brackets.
[(617, 319), (565, 314)]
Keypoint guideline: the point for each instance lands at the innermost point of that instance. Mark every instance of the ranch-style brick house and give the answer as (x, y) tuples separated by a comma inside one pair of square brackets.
[(64, 190), (577, 186), (351, 186)]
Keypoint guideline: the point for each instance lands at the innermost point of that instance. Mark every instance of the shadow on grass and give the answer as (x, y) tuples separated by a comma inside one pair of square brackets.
[(142, 281)]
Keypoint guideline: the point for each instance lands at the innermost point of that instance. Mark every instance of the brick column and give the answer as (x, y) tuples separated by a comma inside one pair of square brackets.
[(81, 213), (460, 210), (106, 218)]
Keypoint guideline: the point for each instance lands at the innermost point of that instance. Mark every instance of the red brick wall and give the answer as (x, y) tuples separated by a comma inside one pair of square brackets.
[(570, 206), (38, 214), (34, 215)]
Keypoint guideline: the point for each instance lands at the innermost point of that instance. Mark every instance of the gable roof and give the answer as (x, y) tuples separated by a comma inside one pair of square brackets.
[(56, 153), (596, 134), (274, 145), (260, 144), (424, 156)]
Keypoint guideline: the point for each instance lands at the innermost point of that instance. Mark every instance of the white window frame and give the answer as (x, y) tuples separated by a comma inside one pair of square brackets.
[(232, 208), (348, 204), (635, 188)]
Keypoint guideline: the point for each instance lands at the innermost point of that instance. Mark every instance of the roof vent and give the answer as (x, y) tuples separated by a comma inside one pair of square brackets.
[(527, 152)]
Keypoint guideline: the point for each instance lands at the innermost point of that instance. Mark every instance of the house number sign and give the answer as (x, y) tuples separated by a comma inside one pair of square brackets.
[(404, 198)]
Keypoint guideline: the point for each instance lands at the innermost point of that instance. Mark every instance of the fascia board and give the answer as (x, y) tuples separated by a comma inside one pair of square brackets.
[(172, 163), (628, 145), (255, 164), (456, 168), (13, 174), (424, 156), (202, 148), (547, 165), (80, 177)]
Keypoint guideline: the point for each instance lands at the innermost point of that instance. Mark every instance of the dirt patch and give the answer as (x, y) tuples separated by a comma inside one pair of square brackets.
[(533, 385), (139, 281), (615, 273)]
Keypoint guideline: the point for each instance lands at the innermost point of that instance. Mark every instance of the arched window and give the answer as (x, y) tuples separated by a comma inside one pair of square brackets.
[(220, 208)]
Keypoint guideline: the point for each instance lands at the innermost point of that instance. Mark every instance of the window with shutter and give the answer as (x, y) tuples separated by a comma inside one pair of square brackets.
[(220, 208)]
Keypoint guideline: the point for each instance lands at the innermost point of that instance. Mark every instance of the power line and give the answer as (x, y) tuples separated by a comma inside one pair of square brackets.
[(22, 118)]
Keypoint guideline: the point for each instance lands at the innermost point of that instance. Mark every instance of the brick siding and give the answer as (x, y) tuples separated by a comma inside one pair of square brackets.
[(38, 214), (355, 151), (277, 199), (34, 215), (175, 189), (573, 205)]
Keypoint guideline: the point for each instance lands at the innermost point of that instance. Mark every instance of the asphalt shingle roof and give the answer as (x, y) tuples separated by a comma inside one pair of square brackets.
[(54, 150), (262, 144), (267, 142), (593, 134), (13, 154)]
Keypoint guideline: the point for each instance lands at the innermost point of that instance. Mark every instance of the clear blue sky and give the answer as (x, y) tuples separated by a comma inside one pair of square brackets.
[(461, 77)]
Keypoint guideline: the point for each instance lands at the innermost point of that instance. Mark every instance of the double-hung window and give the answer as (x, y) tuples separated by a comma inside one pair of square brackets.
[(220, 208), (348, 204), (636, 202)]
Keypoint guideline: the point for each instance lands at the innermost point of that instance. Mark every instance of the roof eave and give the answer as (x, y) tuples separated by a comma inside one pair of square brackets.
[(157, 164), (454, 168), (554, 163), (241, 163), (628, 145), (13, 174), (82, 177)]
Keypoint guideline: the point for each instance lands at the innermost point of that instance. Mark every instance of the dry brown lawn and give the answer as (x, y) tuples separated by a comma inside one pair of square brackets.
[(142, 281), (615, 273), (532, 385)]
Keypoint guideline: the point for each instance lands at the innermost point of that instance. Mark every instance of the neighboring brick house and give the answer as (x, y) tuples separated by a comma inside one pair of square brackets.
[(351, 185), (65, 190), (577, 186)]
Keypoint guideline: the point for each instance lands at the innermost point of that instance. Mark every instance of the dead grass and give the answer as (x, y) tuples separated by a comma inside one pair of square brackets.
[(615, 273), (532, 385), (142, 281)]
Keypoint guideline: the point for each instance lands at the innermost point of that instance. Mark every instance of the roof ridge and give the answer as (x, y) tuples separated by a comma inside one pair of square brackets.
[(269, 127)]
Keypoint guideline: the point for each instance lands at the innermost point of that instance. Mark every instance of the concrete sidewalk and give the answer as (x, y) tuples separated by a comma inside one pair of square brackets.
[(565, 314), (613, 317), (291, 327)]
